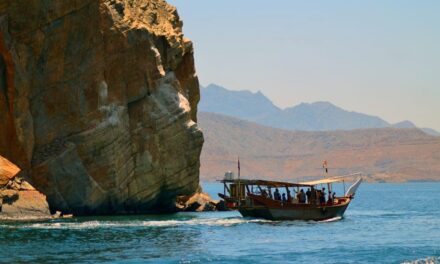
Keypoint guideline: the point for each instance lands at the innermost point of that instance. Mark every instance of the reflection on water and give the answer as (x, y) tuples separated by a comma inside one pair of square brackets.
[(382, 225)]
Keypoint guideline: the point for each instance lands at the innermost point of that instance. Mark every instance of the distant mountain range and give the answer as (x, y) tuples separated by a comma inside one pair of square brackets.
[(318, 116), (382, 154)]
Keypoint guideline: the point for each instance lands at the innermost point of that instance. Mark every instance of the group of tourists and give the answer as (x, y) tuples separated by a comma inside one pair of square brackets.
[(311, 196)]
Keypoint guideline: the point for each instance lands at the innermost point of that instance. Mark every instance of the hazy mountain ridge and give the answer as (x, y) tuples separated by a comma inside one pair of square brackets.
[(241, 104), (409, 124), (389, 154), (322, 116), (317, 116)]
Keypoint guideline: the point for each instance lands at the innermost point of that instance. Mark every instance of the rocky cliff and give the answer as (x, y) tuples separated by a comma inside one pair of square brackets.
[(98, 103)]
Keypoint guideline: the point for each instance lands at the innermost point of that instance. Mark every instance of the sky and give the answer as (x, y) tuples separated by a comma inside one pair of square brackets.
[(376, 57)]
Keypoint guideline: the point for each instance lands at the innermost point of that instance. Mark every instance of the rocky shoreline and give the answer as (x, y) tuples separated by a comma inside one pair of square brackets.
[(21, 201), (199, 202)]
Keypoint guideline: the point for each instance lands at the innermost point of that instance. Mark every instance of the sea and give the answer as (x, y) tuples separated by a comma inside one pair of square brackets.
[(385, 223)]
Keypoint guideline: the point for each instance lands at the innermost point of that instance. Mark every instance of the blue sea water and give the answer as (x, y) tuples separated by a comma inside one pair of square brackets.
[(386, 223)]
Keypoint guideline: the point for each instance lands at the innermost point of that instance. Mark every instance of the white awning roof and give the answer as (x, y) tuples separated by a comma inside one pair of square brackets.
[(331, 179)]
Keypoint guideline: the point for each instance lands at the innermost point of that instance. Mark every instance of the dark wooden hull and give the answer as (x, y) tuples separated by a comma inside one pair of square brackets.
[(275, 210)]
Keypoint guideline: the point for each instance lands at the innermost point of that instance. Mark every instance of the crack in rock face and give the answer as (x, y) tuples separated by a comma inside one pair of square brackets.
[(100, 100)]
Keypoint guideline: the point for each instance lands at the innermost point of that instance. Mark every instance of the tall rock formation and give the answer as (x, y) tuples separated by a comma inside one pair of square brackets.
[(98, 103)]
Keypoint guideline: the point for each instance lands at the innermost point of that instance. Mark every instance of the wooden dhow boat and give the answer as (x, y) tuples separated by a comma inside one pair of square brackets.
[(256, 198)]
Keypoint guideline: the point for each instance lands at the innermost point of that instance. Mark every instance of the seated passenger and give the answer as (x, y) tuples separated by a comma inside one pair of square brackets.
[(330, 200)]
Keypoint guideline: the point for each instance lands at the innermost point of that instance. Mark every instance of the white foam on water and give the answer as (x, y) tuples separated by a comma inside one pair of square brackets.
[(429, 260), (164, 223), (337, 218)]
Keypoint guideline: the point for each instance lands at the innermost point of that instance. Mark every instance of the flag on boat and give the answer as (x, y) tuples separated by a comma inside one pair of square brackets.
[(324, 166)]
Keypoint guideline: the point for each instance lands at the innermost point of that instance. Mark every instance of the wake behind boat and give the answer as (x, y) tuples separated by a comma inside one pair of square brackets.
[(255, 198)]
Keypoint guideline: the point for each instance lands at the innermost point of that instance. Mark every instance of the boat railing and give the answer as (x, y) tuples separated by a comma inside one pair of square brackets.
[(250, 201)]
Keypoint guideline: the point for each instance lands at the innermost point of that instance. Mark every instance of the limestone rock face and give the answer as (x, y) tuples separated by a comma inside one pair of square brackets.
[(98, 103)]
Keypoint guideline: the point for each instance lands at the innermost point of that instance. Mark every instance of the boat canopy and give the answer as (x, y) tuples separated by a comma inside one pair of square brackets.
[(331, 179), (266, 183), (290, 184)]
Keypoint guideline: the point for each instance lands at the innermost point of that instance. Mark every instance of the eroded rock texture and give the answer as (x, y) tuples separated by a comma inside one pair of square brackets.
[(98, 103)]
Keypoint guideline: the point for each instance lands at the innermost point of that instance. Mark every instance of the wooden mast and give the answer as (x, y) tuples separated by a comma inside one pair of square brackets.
[(239, 187)]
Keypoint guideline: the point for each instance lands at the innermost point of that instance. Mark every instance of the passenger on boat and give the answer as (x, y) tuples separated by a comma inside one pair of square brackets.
[(329, 199), (264, 193), (289, 197), (302, 196), (318, 196), (313, 196), (309, 195), (284, 197), (322, 197), (277, 195)]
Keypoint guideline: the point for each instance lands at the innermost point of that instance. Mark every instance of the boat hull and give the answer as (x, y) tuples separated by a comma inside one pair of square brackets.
[(316, 214), (274, 210)]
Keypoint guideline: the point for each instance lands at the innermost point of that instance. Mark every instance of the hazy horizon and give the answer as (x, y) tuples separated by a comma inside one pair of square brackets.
[(228, 104), (369, 57)]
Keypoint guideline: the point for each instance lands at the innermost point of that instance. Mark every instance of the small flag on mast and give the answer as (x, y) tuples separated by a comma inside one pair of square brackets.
[(324, 166)]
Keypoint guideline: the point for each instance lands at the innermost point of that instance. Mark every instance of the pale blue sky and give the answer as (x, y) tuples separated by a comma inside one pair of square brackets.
[(376, 57)]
